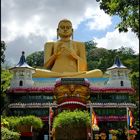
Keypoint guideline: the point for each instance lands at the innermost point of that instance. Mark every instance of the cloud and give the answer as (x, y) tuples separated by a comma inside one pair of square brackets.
[(114, 40), (28, 24), (25, 17), (30, 45), (98, 20)]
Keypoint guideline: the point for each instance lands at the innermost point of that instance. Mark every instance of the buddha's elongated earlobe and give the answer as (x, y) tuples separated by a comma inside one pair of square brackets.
[(57, 34), (72, 34)]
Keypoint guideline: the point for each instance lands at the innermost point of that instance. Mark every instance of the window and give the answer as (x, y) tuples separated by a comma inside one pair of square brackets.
[(118, 73), (21, 83), (21, 73), (122, 84)]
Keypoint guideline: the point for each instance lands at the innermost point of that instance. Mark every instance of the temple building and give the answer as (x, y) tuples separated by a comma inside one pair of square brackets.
[(109, 97)]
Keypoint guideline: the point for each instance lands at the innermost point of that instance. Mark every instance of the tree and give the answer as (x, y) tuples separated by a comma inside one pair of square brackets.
[(99, 57), (127, 10), (90, 45), (36, 59), (3, 48), (5, 84)]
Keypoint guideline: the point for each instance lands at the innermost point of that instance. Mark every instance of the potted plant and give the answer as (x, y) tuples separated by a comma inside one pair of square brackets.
[(24, 123), (27, 123), (103, 135), (114, 133), (71, 125), (97, 136), (131, 134)]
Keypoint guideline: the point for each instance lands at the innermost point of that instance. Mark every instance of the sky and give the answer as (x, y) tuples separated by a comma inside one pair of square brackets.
[(26, 25)]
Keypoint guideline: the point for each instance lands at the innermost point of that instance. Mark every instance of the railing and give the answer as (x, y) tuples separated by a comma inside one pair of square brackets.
[(32, 105), (111, 105), (34, 101), (110, 101)]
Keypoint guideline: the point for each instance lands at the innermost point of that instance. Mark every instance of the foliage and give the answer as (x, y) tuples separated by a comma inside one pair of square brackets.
[(6, 134), (90, 45), (5, 84), (36, 59), (131, 132), (4, 123), (127, 10), (135, 80), (5, 80), (101, 58), (14, 122), (31, 120), (113, 131), (134, 76), (72, 119), (3, 48)]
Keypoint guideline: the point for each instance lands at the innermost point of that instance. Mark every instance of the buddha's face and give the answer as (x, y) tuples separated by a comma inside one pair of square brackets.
[(65, 29)]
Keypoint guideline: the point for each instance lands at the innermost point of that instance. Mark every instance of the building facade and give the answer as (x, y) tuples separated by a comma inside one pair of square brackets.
[(109, 97)]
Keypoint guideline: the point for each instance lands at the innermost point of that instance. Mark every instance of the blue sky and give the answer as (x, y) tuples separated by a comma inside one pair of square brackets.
[(83, 33), (26, 25)]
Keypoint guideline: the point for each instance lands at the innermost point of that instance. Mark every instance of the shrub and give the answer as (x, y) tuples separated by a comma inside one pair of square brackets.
[(114, 132), (72, 119), (6, 134), (31, 120), (14, 122), (4, 123)]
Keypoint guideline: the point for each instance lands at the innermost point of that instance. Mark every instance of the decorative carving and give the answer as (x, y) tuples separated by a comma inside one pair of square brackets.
[(71, 91)]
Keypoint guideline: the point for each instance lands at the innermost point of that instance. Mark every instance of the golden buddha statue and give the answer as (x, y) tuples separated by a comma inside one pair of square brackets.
[(65, 57)]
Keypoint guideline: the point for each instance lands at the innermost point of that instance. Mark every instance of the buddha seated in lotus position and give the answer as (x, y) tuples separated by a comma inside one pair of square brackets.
[(65, 57)]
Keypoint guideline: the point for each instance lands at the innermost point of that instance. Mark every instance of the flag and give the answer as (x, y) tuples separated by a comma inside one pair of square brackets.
[(129, 118), (94, 119), (51, 112), (50, 120)]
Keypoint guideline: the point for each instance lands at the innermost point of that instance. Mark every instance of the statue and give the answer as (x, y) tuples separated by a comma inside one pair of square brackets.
[(65, 57)]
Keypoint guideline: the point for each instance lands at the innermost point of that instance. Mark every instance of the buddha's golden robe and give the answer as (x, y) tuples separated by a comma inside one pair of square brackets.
[(64, 64)]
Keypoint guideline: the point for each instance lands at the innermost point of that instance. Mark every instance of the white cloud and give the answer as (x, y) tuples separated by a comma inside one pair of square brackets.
[(114, 40), (27, 24), (25, 17), (98, 20)]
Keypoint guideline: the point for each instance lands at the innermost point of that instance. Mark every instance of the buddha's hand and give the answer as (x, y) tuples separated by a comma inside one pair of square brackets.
[(70, 52), (58, 53)]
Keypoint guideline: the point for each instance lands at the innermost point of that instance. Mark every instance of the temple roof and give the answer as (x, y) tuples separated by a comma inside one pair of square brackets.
[(117, 64), (22, 63)]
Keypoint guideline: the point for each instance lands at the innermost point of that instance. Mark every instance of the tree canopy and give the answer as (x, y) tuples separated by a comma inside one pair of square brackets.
[(3, 48), (127, 10), (36, 59)]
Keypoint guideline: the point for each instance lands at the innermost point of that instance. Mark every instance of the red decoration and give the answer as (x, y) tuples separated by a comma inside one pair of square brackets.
[(112, 118), (33, 89), (111, 90), (27, 134)]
